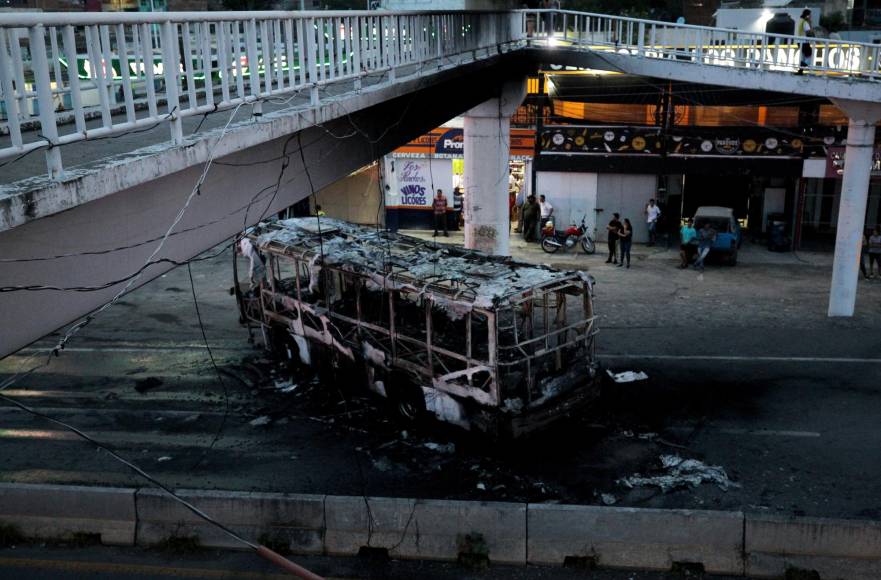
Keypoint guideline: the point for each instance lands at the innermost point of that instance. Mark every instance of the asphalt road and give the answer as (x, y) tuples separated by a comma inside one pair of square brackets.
[(102, 563), (745, 373)]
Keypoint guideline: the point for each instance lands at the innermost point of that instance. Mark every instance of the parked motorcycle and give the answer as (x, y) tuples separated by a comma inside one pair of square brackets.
[(553, 239)]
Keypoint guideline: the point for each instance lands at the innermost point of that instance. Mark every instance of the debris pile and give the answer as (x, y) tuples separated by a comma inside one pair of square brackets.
[(681, 472), (448, 448), (628, 376)]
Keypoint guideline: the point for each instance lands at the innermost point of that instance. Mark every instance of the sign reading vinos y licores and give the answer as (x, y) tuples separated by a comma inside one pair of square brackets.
[(413, 184)]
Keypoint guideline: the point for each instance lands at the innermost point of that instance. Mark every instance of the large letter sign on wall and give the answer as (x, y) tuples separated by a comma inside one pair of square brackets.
[(412, 183)]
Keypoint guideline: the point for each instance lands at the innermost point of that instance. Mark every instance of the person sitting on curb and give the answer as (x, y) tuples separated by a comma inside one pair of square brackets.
[(687, 241), (707, 236)]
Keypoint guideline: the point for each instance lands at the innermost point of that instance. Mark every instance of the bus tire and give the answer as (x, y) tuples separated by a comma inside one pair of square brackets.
[(405, 399)]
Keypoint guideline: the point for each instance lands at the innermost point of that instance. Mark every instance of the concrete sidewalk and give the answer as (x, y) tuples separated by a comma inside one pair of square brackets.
[(749, 254)]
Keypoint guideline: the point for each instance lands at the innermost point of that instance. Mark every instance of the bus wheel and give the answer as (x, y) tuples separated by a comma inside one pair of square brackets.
[(406, 399)]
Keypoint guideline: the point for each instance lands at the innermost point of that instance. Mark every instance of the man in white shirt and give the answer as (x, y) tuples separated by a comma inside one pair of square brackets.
[(547, 210), (652, 213)]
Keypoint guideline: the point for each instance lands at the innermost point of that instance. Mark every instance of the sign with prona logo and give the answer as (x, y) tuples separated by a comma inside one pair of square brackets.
[(452, 142)]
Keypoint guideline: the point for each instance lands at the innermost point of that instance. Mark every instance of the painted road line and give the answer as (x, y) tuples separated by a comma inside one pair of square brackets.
[(198, 347), (138, 569), (152, 395), (770, 432), (709, 429), (137, 439), (723, 358), (109, 411)]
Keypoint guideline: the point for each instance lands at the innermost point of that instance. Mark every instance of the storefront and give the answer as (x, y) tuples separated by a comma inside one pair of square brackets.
[(412, 174), (595, 171), (820, 194)]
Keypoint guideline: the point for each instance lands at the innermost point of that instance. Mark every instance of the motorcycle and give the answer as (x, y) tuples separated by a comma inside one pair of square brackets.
[(553, 239)]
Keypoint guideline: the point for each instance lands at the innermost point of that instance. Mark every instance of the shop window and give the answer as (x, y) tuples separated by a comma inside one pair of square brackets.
[(832, 115), (781, 117)]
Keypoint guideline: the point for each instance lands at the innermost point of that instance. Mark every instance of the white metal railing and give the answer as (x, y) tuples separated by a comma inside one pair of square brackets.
[(108, 73), (113, 67), (699, 44)]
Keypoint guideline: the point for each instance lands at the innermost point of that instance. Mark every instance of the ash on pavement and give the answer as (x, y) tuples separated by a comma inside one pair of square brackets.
[(745, 373)]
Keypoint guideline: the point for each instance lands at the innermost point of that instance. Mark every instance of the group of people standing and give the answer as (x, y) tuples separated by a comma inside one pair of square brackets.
[(620, 240), (533, 215), (620, 234)]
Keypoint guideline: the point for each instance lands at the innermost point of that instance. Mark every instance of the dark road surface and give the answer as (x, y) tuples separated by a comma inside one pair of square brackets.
[(745, 372), (101, 563)]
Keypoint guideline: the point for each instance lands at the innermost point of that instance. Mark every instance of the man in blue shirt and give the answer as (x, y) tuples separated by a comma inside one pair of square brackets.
[(687, 239)]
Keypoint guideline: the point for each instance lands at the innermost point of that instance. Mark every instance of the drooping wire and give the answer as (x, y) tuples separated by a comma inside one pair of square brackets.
[(253, 199), (105, 285), (220, 427), (131, 466), (261, 550)]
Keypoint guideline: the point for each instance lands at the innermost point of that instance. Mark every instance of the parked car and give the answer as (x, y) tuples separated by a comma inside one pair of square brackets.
[(728, 238)]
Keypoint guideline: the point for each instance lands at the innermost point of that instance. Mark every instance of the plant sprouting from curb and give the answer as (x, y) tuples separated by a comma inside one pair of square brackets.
[(10, 535), (473, 550), (793, 573), (176, 544), (276, 542)]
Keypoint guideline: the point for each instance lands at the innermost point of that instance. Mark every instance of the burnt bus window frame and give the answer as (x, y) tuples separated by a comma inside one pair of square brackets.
[(514, 349)]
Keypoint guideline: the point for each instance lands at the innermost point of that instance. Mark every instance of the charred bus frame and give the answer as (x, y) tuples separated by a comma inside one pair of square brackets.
[(479, 341)]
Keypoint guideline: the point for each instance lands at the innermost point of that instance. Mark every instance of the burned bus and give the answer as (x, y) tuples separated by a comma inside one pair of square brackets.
[(483, 342)]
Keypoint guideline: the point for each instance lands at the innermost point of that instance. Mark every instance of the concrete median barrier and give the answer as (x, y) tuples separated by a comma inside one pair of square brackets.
[(426, 529), (833, 548), (70, 512), (509, 533), (293, 522), (636, 538)]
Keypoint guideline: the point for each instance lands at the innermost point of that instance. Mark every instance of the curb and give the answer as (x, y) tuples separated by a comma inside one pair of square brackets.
[(293, 521), (425, 529), (65, 511), (834, 548), (506, 533), (620, 537)]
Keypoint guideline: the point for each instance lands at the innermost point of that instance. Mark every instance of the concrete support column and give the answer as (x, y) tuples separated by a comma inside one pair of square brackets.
[(852, 207), (487, 145)]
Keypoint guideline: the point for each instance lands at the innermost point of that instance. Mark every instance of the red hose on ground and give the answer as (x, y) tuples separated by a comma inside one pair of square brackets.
[(286, 564)]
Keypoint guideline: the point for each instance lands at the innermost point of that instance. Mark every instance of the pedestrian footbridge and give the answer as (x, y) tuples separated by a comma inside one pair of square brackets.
[(136, 141)]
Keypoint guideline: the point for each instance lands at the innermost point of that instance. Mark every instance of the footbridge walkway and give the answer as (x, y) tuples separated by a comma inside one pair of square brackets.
[(136, 141)]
